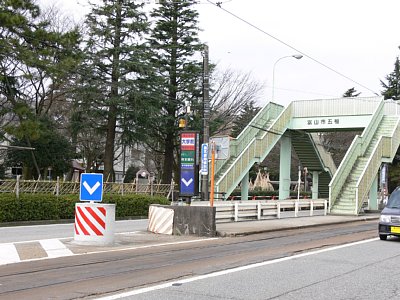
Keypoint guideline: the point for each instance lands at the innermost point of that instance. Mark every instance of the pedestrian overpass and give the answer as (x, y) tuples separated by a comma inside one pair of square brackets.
[(296, 127)]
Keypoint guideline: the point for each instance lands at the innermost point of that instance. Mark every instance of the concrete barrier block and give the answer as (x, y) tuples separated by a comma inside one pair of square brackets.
[(194, 220)]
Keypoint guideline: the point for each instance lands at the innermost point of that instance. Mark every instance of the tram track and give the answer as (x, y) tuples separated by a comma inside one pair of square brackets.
[(95, 274)]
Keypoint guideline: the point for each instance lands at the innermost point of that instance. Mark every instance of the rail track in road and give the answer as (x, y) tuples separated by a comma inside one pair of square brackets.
[(94, 275)]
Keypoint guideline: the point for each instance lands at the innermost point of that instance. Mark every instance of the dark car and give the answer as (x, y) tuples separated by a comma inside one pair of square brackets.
[(389, 223)]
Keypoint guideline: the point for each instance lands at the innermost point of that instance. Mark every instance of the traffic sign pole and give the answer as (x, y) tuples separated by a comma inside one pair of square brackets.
[(212, 174)]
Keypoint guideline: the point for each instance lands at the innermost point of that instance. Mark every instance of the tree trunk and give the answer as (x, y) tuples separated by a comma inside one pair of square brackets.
[(109, 149), (168, 158), (114, 94)]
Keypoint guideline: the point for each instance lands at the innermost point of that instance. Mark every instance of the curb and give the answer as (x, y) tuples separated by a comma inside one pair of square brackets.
[(257, 231)]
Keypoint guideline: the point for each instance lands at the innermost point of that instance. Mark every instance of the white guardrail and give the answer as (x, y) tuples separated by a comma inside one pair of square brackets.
[(228, 211)]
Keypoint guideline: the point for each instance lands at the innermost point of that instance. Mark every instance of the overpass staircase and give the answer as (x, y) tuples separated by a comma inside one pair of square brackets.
[(251, 146), (256, 141), (314, 157), (351, 184)]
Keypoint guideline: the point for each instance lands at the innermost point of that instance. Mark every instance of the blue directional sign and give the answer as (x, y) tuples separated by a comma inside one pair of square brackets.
[(187, 183), (91, 188), (204, 159), (188, 164)]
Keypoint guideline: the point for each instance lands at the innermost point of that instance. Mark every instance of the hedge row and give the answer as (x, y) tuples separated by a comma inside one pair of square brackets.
[(34, 207)]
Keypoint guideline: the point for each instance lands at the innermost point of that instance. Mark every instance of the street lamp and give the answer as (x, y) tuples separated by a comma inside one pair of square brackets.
[(296, 56)]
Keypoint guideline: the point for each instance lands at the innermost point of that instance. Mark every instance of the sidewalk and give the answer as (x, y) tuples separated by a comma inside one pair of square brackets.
[(233, 229)]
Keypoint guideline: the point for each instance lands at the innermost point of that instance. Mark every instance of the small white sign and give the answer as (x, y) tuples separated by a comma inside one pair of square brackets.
[(204, 159)]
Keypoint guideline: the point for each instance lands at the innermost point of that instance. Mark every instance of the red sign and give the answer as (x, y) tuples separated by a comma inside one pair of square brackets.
[(188, 141)]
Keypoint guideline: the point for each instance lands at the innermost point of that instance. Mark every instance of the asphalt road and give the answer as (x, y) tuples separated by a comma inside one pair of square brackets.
[(367, 270), (96, 275)]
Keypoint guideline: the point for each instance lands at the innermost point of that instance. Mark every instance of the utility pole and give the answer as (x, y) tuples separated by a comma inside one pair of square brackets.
[(206, 118)]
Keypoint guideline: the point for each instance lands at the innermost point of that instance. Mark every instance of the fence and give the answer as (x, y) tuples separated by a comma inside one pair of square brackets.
[(60, 187), (261, 210)]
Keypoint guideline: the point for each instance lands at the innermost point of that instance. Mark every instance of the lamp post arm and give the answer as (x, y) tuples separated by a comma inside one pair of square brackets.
[(273, 75), (296, 56)]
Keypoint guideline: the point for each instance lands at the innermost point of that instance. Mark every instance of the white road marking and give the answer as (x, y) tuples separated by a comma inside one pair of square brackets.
[(8, 254), (224, 272), (54, 248), (92, 252)]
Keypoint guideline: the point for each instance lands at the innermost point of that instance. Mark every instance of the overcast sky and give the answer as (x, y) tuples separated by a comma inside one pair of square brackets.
[(358, 39)]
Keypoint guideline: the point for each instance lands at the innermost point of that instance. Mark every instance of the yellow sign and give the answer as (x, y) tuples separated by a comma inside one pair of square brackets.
[(182, 123)]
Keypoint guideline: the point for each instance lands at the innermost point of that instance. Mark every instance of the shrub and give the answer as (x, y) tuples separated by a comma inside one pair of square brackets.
[(33, 207)]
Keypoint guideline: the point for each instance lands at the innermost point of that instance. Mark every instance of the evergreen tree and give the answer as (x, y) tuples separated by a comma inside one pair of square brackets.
[(392, 91), (51, 148), (35, 61), (392, 87), (174, 41), (114, 62), (352, 92), (247, 113)]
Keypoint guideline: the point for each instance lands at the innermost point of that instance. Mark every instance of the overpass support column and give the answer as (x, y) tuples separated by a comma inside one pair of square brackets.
[(244, 187), (284, 167), (315, 181), (373, 195)]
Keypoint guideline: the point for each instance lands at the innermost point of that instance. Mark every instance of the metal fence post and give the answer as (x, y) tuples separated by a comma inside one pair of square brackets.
[(17, 187), (58, 186)]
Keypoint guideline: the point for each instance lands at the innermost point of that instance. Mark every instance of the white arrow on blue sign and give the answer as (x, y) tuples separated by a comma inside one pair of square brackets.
[(91, 188), (187, 186)]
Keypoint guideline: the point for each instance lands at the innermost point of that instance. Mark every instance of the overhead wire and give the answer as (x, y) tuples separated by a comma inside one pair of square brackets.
[(291, 47)]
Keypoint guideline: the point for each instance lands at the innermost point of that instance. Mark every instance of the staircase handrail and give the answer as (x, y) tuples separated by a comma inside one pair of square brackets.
[(238, 144), (253, 150), (357, 148), (325, 156), (271, 110), (386, 147)]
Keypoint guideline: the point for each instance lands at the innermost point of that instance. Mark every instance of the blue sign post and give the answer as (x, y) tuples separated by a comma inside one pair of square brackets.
[(204, 159), (91, 188)]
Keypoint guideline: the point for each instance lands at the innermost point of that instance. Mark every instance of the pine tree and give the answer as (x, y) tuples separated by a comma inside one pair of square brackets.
[(247, 113), (35, 61), (392, 87), (392, 91), (351, 92), (174, 40), (114, 62)]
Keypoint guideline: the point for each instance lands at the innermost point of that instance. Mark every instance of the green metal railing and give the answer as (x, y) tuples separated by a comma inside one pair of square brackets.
[(324, 156), (357, 148), (386, 147), (255, 151), (260, 120)]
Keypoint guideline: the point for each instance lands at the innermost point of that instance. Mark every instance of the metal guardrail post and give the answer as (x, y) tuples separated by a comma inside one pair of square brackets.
[(236, 211), (278, 208), (311, 208), (258, 210)]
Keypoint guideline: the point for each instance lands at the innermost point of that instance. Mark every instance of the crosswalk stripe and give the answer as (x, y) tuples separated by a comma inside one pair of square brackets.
[(8, 254), (55, 248)]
